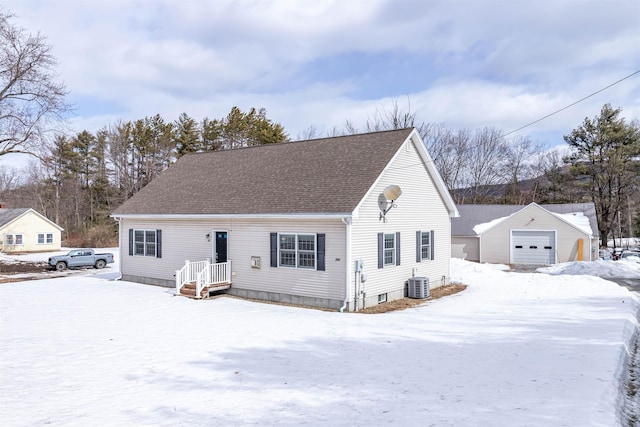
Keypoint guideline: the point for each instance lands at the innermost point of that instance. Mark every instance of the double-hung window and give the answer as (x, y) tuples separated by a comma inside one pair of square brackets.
[(13, 239), (388, 249), (145, 243), (424, 245), (45, 238), (297, 250)]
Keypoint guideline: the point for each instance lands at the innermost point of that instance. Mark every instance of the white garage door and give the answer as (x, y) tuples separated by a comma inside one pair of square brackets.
[(533, 247)]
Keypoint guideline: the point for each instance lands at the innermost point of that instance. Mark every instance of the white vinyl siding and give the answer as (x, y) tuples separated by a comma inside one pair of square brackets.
[(420, 207), (247, 238)]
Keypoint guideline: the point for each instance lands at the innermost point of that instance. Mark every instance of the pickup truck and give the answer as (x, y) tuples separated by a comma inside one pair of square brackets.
[(80, 258)]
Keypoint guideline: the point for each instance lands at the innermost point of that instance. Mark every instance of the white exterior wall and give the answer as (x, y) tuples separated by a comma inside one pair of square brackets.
[(465, 248), (30, 225), (419, 208), (185, 239), (495, 242)]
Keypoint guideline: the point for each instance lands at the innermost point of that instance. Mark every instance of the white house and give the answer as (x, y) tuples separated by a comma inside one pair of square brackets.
[(25, 230), (302, 222), (531, 234)]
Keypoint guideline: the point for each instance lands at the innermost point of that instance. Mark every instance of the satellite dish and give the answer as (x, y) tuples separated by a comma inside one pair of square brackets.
[(392, 192)]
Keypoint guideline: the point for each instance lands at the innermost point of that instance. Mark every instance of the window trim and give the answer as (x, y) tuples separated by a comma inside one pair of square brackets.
[(385, 250), (297, 251), (382, 249), (45, 240), (146, 245), (14, 239), (420, 246)]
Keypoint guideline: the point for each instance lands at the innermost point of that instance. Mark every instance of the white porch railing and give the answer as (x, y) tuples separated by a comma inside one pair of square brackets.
[(203, 273), (213, 274)]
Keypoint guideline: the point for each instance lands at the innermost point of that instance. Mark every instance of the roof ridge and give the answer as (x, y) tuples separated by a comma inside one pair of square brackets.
[(279, 144)]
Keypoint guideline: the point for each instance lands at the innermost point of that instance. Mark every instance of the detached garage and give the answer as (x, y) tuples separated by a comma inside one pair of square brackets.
[(533, 234)]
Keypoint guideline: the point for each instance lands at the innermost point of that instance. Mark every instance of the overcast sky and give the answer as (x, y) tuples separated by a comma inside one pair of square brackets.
[(467, 64)]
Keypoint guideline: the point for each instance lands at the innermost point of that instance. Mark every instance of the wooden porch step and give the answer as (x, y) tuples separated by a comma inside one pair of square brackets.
[(189, 289)]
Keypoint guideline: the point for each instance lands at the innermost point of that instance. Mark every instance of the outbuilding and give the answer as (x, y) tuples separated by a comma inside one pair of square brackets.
[(532, 234), (26, 230)]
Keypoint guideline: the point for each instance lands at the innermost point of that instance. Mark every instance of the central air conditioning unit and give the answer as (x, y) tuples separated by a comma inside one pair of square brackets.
[(419, 287)]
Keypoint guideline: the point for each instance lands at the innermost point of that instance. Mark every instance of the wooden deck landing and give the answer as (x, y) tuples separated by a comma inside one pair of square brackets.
[(189, 290)]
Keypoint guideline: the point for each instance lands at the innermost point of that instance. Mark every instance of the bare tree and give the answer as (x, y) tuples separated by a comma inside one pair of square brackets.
[(309, 133), (9, 180), (394, 118), (31, 98), (487, 155), (448, 149), (519, 165)]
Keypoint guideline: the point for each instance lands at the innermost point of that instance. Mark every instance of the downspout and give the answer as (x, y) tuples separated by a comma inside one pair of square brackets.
[(347, 221), (119, 248)]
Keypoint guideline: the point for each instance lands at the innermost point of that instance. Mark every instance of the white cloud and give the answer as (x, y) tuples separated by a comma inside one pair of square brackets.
[(491, 63)]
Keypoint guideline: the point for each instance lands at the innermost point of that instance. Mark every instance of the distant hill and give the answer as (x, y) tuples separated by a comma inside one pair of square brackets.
[(562, 187)]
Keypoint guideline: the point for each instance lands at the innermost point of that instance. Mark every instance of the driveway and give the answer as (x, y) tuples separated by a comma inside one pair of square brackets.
[(631, 284)]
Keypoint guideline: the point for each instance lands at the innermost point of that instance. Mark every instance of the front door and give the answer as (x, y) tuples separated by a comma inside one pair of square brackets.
[(221, 246)]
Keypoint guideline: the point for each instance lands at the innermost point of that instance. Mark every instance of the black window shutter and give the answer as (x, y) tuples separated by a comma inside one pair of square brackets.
[(380, 250), (274, 249), (321, 239), (432, 242), (398, 248), (418, 246), (158, 243), (131, 241)]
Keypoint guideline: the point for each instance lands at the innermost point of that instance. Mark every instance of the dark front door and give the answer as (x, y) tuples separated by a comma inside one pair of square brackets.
[(221, 246)]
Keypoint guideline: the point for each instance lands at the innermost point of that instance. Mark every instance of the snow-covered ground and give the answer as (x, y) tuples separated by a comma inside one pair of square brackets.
[(513, 349), (112, 271), (625, 268)]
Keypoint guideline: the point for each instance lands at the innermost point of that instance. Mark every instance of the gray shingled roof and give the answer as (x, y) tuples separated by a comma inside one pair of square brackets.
[(472, 215), (329, 175), (7, 215)]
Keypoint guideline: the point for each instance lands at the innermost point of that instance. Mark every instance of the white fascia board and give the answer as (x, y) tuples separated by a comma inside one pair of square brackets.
[(226, 216), (433, 171)]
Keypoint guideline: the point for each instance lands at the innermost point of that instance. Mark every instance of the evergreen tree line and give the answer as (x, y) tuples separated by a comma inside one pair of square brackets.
[(80, 179)]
